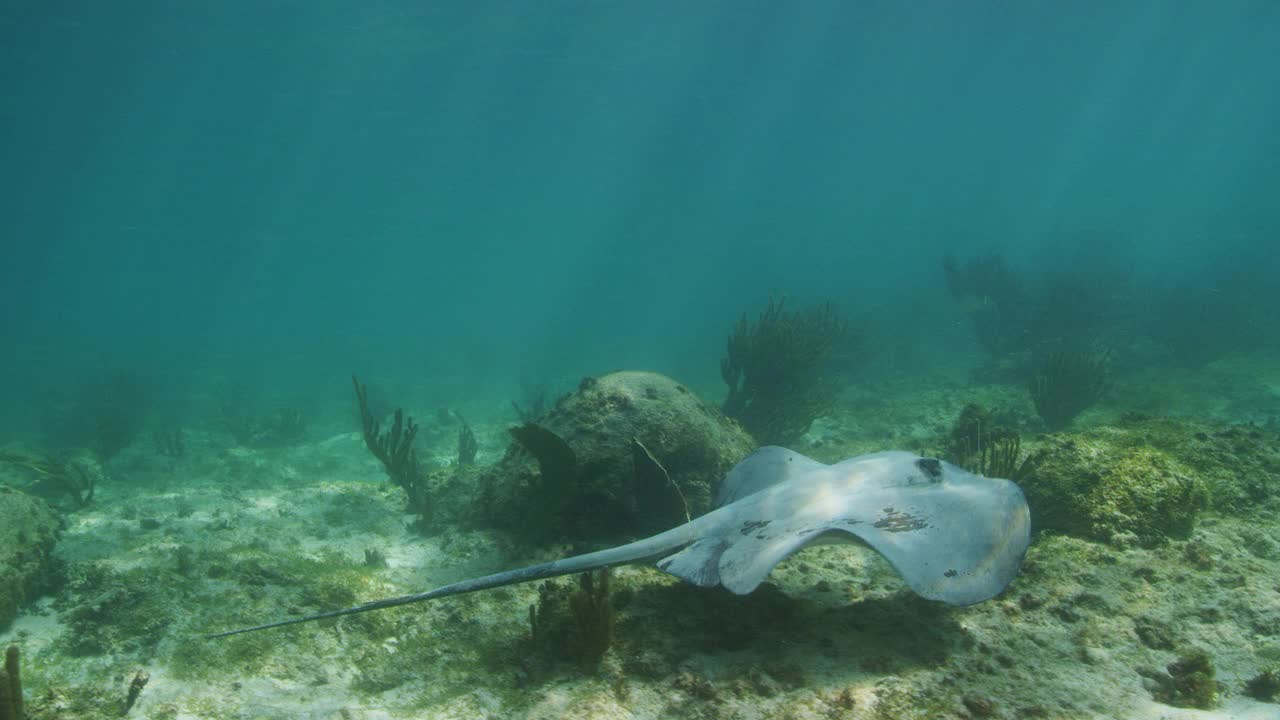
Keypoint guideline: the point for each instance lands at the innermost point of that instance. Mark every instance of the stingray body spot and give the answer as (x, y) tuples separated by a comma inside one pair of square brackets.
[(900, 522), (951, 573)]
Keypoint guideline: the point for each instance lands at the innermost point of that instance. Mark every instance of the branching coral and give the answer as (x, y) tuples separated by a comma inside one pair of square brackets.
[(979, 444), (772, 368), (169, 441), (106, 413), (1264, 686), (467, 444), (1010, 315), (1189, 682), (282, 428), (118, 404), (993, 297), (11, 707), (592, 610), (582, 631), (534, 405), (1216, 310), (394, 449), (1068, 382), (1077, 308)]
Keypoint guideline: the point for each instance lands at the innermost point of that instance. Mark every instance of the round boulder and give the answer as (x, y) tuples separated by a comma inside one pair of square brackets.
[(627, 453), (28, 531), (1094, 487)]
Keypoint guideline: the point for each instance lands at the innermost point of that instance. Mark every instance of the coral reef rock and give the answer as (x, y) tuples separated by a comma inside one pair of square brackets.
[(1146, 479), (1240, 463), (28, 531), (1104, 488), (629, 452)]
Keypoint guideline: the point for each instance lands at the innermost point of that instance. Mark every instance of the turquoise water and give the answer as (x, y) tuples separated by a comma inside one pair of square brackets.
[(294, 190), (214, 213)]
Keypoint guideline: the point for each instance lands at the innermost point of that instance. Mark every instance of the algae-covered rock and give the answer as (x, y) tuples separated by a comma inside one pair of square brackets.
[(28, 531), (626, 453), (1092, 486), (1189, 682), (1240, 464)]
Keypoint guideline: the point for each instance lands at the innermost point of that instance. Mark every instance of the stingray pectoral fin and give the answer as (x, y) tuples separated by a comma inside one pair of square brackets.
[(749, 560), (770, 465), (698, 564), (961, 542)]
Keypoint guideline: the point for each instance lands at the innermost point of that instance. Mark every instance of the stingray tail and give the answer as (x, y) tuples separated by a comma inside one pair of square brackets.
[(650, 548)]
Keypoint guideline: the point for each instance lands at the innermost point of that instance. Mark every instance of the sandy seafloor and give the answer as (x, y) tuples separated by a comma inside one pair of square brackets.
[(172, 548)]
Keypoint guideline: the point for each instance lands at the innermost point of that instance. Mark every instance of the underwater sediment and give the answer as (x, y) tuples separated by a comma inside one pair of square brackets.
[(1127, 606)]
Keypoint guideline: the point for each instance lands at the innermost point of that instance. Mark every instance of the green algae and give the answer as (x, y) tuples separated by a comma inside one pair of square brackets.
[(1264, 686), (1087, 486), (1189, 683), (28, 532), (199, 659), (1147, 479), (113, 611), (249, 585), (75, 701), (1240, 464), (832, 626)]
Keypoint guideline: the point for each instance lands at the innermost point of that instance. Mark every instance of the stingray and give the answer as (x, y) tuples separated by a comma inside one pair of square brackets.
[(953, 536)]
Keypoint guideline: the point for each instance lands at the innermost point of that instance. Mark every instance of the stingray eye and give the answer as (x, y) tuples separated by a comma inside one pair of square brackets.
[(931, 467)]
